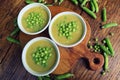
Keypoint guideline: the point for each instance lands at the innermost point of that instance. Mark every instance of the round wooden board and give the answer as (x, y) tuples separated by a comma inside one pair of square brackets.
[(69, 56)]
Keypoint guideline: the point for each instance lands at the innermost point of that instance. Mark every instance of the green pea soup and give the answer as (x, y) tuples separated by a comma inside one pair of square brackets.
[(75, 36), (35, 19), (50, 62)]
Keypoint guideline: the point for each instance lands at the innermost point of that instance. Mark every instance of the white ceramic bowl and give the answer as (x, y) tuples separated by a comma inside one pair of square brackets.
[(66, 13), (26, 8), (26, 66)]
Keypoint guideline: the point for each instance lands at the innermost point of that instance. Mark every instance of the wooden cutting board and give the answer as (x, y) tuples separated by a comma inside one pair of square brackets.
[(69, 56)]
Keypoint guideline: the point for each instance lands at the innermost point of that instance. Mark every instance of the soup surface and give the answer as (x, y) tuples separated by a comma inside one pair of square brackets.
[(35, 19), (75, 35), (50, 62)]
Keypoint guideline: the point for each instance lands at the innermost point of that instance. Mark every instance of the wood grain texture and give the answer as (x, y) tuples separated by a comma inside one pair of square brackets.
[(11, 67), (69, 56)]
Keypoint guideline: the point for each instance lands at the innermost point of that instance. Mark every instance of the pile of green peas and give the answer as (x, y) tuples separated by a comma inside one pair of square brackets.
[(41, 55), (66, 29), (34, 19)]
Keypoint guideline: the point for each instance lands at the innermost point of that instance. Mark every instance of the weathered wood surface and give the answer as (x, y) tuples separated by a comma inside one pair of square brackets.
[(11, 67)]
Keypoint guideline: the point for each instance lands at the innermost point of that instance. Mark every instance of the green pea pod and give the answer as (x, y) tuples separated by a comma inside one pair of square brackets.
[(29, 1), (104, 49), (105, 62), (40, 78), (96, 5), (104, 16), (92, 6), (63, 76), (109, 45), (15, 31), (75, 2), (92, 14), (10, 39), (84, 2), (108, 25)]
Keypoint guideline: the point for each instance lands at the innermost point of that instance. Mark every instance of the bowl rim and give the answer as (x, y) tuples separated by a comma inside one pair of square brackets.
[(65, 13), (26, 8), (24, 62)]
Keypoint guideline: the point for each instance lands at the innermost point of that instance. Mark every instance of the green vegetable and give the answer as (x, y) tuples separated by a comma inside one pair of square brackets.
[(95, 5), (104, 16), (92, 6), (109, 45), (60, 1), (104, 49), (108, 25), (15, 31), (15, 22), (41, 55), (10, 39), (75, 2), (29, 1), (44, 78), (92, 14), (105, 62), (84, 2), (64, 76), (80, 1), (66, 29)]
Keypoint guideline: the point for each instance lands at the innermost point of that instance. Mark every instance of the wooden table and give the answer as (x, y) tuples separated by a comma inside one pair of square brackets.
[(11, 67)]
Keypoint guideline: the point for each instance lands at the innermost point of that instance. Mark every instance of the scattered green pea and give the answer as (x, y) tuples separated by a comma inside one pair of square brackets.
[(108, 25), (92, 14)]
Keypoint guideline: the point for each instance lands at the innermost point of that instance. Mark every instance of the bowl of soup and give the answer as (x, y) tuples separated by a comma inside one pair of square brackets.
[(40, 56), (67, 29), (34, 18)]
